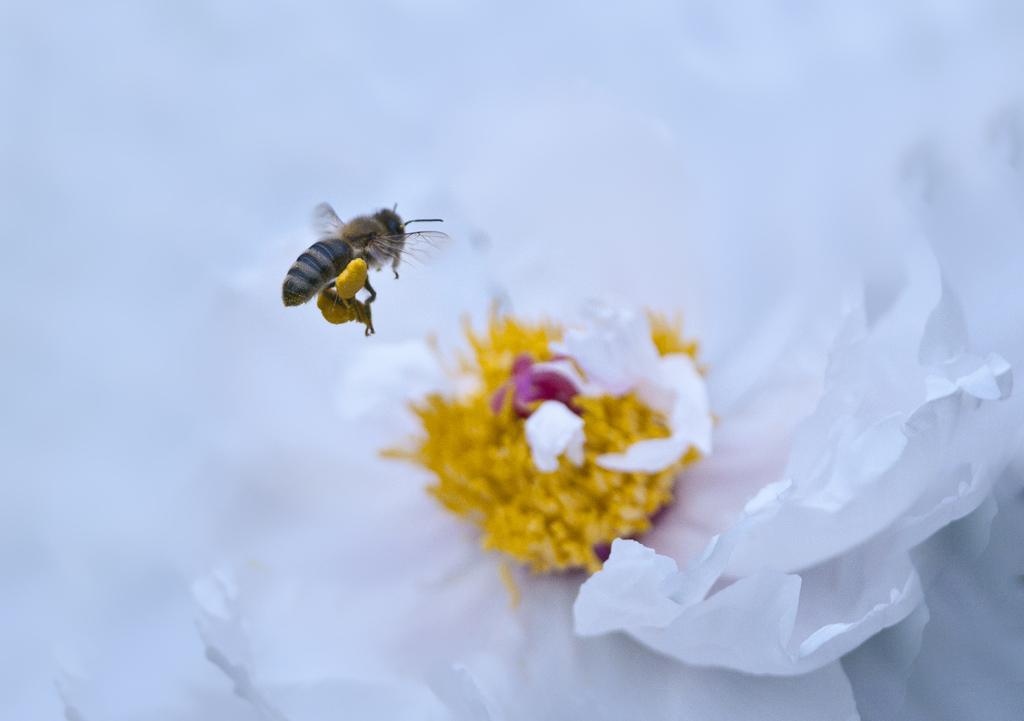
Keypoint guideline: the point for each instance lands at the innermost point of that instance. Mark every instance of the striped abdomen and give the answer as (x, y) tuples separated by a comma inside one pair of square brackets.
[(314, 269)]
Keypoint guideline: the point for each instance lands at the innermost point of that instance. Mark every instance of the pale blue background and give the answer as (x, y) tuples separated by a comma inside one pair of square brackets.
[(151, 152)]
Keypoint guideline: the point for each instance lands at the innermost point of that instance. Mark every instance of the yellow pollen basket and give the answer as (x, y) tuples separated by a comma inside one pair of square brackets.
[(351, 279), (338, 305), (485, 472)]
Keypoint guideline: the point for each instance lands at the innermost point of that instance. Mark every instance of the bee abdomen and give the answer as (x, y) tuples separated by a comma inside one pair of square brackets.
[(314, 269)]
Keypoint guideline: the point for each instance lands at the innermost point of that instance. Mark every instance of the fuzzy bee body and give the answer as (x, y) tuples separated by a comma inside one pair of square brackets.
[(374, 238), (379, 240)]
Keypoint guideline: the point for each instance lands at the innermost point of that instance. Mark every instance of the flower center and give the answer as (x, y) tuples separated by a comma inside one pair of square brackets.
[(477, 445)]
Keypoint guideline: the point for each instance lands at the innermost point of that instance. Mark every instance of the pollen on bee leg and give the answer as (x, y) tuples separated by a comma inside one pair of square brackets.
[(351, 279), (334, 309)]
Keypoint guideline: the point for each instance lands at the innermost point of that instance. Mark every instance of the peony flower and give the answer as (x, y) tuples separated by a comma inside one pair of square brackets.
[(792, 521)]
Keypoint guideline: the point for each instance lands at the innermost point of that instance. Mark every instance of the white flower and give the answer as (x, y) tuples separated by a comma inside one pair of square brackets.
[(383, 604)]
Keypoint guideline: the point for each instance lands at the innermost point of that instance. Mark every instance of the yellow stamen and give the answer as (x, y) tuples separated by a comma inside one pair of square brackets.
[(494, 351), (667, 334), (514, 594), (550, 521)]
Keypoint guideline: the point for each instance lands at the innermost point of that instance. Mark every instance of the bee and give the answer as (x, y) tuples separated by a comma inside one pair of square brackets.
[(379, 240)]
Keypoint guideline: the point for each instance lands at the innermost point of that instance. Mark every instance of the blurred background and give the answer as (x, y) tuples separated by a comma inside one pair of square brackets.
[(159, 162)]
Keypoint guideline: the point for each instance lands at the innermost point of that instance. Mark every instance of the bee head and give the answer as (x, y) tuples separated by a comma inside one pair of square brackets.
[(390, 220)]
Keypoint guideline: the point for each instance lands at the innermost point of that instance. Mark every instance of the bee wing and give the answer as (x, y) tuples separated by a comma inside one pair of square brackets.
[(414, 248), (326, 221)]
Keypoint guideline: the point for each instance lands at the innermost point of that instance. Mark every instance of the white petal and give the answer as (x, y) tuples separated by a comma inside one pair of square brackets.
[(310, 671), (615, 351), (552, 430), (690, 417), (383, 376), (993, 380), (599, 608), (767, 622), (455, 686), (647, 456), (882, 441), (617, 355)]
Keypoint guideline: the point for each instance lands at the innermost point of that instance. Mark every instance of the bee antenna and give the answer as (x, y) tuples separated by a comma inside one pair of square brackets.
[(423, 220)]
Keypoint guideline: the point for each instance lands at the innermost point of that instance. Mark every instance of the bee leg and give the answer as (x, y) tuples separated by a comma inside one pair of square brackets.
[(396, 273), (366, 308), (365, 316), (369, 322)]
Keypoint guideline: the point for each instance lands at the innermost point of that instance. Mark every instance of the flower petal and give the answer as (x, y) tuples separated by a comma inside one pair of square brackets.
[(382, 376), (552, 430), (307, 676), (675, 388), (615, 351), (758, 624), (617, 355)]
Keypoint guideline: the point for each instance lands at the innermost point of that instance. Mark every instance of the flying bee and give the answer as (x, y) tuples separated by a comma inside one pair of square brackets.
[(379, 240)]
